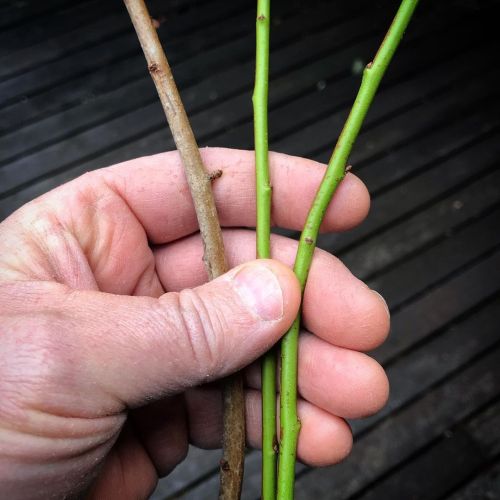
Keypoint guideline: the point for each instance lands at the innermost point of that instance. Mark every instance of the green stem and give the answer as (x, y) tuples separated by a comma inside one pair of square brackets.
[(335, 172), (263, 195)]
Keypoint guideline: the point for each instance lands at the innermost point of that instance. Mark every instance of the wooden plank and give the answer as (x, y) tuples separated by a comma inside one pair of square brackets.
[(228, 52), (13, 12), (441, 143), (486, 486), (440, 306), (414, 276), (206, 122), (333, 93), (365, 151), (334, 96), (109, 21), (125, 77), (316, 140), (136, 94), (461, 125), (28, 32), (29, 59), (408, 236), (430, 185), (92, 58), (442, 140), (432, 363), (124, 125), (460, 449), (443, 353), (197, 463), (422, 478), (145, 88), (425, 151), (485, 429), (411, 429), (208, 487), (394, 131), (221, 53), (14, 114), (33, 22), (28, 167)]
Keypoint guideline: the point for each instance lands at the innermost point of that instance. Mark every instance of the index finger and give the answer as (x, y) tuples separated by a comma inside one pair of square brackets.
[(155, 189)]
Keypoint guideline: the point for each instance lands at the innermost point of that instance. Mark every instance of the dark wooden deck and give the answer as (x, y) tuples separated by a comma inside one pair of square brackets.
[(74, 96)]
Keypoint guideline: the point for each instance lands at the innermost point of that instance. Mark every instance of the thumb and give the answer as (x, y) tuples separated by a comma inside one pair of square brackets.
[(139, 348)]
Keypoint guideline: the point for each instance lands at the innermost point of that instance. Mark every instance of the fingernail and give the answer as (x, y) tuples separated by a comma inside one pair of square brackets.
[(383, 301), (260, 291)]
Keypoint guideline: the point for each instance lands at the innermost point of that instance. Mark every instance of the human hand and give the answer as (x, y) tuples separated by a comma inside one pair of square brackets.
[(103, 375)]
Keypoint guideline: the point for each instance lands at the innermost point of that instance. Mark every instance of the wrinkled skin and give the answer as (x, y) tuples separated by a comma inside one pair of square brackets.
[(108, 370)]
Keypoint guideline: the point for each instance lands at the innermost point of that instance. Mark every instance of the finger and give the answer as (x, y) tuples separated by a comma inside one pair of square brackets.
[(156, 191), (342, 382), (324, 439), (162, 429), (337, 307), (122, 351), (127, 469)]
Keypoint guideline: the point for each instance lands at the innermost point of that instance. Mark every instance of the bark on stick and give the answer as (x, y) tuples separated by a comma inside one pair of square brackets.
[(199, 181)]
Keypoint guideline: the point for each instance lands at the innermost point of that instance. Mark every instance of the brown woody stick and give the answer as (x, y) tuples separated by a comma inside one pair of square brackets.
[(231, 470)]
